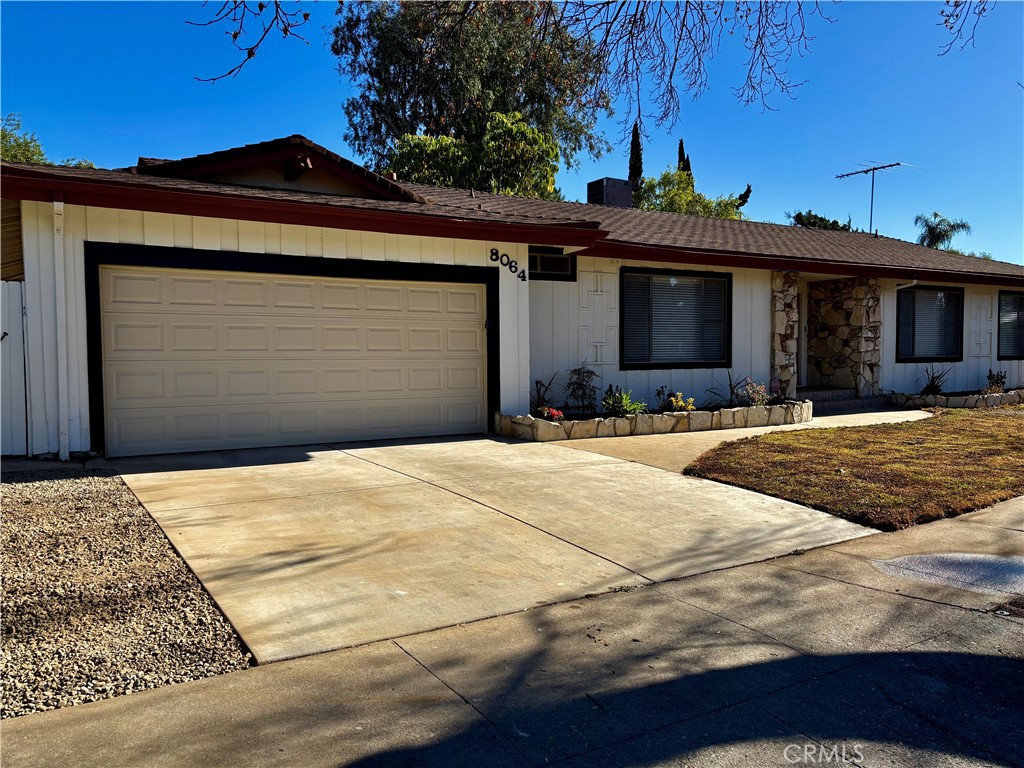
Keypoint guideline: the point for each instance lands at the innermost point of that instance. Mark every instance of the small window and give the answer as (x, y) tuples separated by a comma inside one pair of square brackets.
[(548, 263), (1011, 325), (675, 319), (930, 322)]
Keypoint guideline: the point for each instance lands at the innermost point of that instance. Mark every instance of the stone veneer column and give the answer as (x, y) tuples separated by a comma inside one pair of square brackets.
[(785, 330), (866, 336)]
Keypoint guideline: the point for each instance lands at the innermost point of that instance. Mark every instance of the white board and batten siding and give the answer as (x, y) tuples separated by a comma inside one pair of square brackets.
[(13, 425), (980, 329), (82, 224), (572, 322)]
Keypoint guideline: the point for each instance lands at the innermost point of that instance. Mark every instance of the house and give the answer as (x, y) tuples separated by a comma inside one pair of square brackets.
[(278, 294)]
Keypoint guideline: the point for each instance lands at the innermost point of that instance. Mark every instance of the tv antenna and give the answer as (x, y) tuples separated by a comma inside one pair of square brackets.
[(871, 219)]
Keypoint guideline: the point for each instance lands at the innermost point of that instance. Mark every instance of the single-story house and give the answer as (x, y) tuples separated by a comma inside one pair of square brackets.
[(277, 294)]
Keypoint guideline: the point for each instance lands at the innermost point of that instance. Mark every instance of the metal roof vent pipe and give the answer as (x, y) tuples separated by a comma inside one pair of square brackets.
[(617, 193)]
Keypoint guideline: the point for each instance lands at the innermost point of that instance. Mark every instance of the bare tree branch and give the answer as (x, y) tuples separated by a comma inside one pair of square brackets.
[(268, 16), (961, 19), (653, 50)]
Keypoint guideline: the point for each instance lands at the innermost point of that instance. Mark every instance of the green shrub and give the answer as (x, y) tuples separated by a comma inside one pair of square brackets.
[(580, 390), (619, 403)]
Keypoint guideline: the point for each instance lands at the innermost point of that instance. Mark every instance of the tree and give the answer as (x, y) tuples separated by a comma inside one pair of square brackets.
[(511, 159), (811, 220), (21, 146), (983, 255), (433, 69), (636, 158), (652, 50), (673, 192), (17, 145), (683, 162), (937, 231)]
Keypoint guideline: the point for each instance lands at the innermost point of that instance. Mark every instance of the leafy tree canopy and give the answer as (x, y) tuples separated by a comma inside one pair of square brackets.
[(811, 220), (674, 192), (436, 69), (984, 255), (649, 52), (937, 231), (21, 146), (511, 158)]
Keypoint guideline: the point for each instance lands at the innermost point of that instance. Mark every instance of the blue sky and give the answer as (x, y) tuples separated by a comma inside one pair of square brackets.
[(112, 81)]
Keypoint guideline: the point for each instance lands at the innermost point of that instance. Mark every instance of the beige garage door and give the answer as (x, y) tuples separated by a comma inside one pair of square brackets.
[(197, 360)]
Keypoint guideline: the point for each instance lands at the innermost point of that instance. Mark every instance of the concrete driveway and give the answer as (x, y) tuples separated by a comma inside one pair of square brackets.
[(316, 548)]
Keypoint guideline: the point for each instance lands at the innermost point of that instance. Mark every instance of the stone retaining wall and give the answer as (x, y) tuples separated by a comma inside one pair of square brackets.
[(541, 430), (1013, 397)]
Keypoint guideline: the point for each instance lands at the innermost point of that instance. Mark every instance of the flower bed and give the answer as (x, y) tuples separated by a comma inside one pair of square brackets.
[(1013, 397), (542, 430)]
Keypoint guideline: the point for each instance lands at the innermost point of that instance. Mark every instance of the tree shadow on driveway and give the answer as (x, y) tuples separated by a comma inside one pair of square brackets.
[(885, 708)]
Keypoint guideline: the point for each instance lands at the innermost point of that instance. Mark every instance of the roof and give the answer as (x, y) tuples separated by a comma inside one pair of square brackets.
[(178, 186), (673, 231)]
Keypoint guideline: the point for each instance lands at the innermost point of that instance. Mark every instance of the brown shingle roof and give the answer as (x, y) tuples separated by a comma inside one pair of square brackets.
[(628, 226), (426, 209), (626, 232)]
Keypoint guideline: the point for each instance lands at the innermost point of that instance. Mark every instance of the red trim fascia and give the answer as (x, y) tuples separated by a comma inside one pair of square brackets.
[(605, 249), (192, 203)]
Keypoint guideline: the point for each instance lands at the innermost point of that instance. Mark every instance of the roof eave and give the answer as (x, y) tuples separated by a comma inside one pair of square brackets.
[(29, 184), (617, 249)]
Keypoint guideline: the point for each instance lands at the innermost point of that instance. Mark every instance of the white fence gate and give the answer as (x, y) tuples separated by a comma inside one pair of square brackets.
[(13, 414)]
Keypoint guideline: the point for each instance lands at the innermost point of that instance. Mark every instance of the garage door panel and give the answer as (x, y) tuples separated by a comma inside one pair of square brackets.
[(213, 337), (125, 289), (322, 360), (192, 291), (244, 293), (129, 289), (169, 383), (196, 429)]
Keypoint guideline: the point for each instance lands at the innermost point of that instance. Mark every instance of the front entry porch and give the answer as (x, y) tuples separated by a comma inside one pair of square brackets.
[(826, 334)]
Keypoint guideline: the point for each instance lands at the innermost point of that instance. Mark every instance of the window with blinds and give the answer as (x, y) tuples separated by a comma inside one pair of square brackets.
[(675, 319), (1011, 325), (930, 324)]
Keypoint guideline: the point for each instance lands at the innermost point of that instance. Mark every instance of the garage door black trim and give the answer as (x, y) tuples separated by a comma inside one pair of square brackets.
[(126, 255)]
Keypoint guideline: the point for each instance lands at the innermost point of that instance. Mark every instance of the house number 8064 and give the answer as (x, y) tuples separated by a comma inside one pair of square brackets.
[(507, 261)]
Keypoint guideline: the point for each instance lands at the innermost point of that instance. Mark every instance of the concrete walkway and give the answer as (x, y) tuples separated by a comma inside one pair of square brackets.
[(802, 659), (317, 548)]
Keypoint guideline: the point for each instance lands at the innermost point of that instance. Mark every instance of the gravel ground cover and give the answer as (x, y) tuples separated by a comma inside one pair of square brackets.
[(96, 602)]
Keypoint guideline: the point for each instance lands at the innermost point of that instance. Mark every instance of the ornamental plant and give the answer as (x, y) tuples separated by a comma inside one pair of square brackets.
[(618, 403), (551, 414), (677, 403), (670, 400), (752, 393), (580, 390), (996, 383)]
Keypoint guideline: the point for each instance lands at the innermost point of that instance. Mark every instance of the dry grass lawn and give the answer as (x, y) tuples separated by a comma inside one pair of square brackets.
[(888, 476)]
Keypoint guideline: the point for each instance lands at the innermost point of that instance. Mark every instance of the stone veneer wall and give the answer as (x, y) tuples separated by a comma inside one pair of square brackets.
[(1013, 397), (542, 430), (785, 330), (845, 334)]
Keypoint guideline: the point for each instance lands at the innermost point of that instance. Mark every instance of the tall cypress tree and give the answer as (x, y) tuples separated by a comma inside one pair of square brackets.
[(636, 158), (683, 162)]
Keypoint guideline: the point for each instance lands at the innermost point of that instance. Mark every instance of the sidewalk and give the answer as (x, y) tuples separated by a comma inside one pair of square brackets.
[(771, 664)]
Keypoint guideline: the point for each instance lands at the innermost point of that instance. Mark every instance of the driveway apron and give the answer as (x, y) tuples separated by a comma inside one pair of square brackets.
[(314, 548)]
